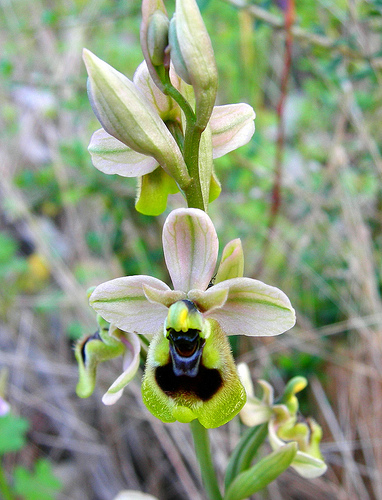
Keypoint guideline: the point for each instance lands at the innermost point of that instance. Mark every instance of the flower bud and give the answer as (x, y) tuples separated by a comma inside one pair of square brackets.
[(197, 53), (176, 54), (127, 115), (149, 8), (157, 37)]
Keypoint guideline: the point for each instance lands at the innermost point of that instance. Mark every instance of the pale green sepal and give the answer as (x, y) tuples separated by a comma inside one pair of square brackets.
[(196, 49), (205, 164), (89, 352), (153, 191), (122, 302), (149, 8), (308, 466), (232, 126), (127, 115), (262, 309), (111, 156), (164, 297), (215, 188), (157, 36), (260, 475), (232, 262), (255, 412), (208, 300)]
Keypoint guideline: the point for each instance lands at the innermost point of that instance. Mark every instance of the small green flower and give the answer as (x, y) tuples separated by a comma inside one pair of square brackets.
[(107, 343), (284, 423), (190, 372)]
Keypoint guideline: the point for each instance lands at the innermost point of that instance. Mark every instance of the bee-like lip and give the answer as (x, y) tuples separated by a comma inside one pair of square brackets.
[(186, 349)]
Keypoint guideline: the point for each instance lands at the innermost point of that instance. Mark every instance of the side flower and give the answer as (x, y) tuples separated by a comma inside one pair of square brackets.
[(190, 372), (284, 423), (231, 125)]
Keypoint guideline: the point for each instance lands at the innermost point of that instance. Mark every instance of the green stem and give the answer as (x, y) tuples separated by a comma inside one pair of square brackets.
[(203, 454), (5, 490), (192, 137), (193, 192)]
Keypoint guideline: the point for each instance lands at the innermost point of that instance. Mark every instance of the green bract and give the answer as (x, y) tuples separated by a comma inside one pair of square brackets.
[(205, 314)]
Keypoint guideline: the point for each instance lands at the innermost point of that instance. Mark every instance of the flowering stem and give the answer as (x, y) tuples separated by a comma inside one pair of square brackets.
[(193, 191), (193, 134), (203, 454)]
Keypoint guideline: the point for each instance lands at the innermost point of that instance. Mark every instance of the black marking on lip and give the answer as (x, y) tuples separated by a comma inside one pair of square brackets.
[(203, 386)]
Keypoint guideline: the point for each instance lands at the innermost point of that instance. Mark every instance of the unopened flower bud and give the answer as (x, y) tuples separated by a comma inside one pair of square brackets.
[(176, 54), (157, 37), (127, 115), (196, 50)]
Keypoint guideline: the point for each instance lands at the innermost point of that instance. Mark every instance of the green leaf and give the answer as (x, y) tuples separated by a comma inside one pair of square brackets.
[(245, 451), (41, 484), (12, 433), (260, 475)]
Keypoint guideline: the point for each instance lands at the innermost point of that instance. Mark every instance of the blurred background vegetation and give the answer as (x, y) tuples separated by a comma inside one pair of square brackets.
[(304, 196)]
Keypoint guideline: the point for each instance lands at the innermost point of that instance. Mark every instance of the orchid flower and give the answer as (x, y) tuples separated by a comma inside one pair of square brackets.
[(190, 372), (107, 343), (284, 425), (113, 152)]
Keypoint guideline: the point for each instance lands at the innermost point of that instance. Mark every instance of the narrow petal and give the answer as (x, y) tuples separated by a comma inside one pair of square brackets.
[(130, 367), (165, 297), (208, 300), (232, 126), (253, 308), (123, 302), (111, 156), (190, 246)]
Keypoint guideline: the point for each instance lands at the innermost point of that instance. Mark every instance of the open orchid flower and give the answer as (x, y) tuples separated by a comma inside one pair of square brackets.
[(190, 371), (284, 424), (107, 343), (231, 126)]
